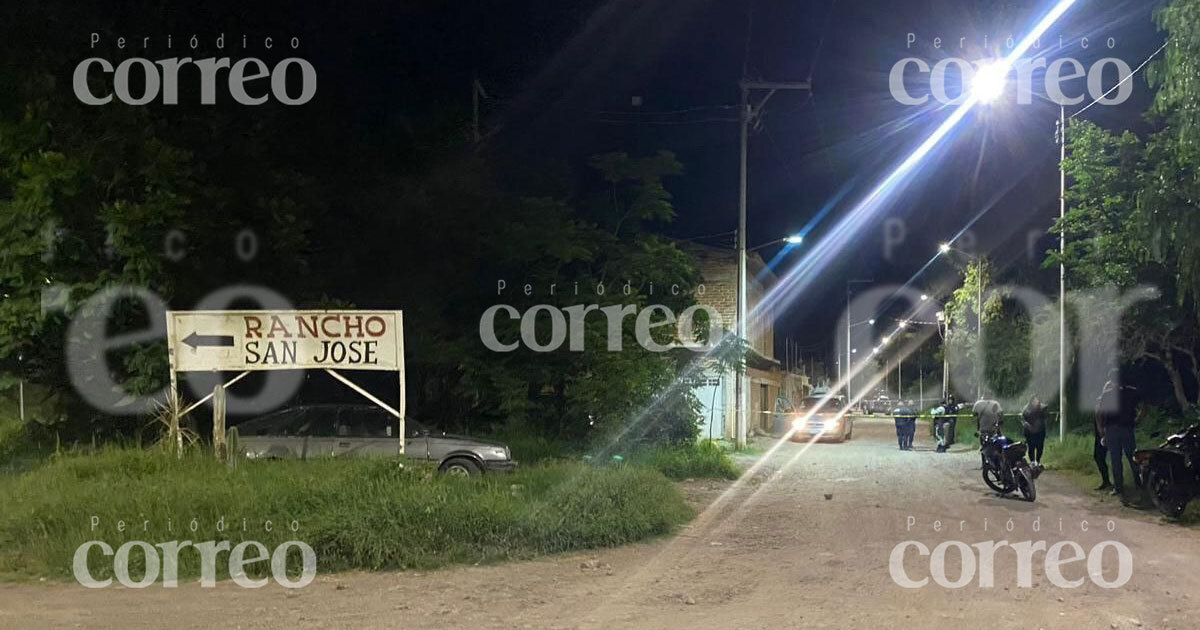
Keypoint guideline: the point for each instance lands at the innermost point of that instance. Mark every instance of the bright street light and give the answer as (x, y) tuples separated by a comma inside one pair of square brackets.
[(944, 248), (790, 240), (924, 297), (989, 82), (870, 322)]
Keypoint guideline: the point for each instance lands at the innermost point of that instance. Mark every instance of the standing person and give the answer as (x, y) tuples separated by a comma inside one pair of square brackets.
[(952, 411), (910, 425), (1033, 419), (1119, 410), (1099, 452), (940, 426), (901, 415), (990, 418)]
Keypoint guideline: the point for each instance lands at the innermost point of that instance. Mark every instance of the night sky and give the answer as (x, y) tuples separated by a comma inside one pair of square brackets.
[(561, 77)]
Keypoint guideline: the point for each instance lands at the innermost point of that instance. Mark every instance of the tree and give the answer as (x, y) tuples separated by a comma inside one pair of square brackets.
[(964, 317), (1130, 224), (1169, 195), (607, 254), (88, 200)]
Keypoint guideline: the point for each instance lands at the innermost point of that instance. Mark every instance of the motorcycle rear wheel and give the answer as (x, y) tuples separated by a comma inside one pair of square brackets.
[(1166, 499)]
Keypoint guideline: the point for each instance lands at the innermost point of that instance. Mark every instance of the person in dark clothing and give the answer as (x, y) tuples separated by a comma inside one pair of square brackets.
[(903, 414), (952, 411), (1033, 420), (1119, 408), (989, 418), (1100, 455), (910, 425)]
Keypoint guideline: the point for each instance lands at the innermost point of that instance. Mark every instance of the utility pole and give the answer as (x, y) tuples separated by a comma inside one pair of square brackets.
[(476, 92), (944, 319), (849, 379), (1062, 273), (747, 115), (979, 324), (21, 385), (849, 362)]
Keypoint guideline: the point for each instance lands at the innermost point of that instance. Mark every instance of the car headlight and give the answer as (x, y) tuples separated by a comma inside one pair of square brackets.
[(797, 423), (498, 452), (832, 423)]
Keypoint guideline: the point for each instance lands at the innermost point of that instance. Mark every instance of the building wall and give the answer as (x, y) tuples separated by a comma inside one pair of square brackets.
[(719, 272), (718, 268)]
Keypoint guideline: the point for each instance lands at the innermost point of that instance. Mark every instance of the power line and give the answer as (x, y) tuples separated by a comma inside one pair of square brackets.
[(664, 122), (685, 110), (1122, 81)]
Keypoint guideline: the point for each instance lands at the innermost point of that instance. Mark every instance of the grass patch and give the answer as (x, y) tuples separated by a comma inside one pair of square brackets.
[(531, 448), (1072, 454), (699, 460), (1073, 457), (356, 514)]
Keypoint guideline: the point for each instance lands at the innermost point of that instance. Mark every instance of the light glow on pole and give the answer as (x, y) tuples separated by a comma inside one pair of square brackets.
[(864, 213)]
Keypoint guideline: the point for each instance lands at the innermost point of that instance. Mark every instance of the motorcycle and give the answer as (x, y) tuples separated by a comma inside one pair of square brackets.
[(1005, 468), (1172, 471)]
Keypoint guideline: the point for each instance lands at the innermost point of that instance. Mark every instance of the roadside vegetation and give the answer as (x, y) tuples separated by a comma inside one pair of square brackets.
[(356, 514), (691, 461)]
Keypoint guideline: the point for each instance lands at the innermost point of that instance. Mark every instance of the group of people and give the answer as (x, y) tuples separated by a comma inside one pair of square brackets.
[(1119, 410), (906, 424), (988, 414)]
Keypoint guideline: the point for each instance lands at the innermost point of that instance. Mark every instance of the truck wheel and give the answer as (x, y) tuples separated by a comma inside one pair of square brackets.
[(460, 466)]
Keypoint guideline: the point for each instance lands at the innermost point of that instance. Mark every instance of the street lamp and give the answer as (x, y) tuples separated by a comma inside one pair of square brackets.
[(747, 114), (794, 239), (987, 87), (740, 390), (989, 82)]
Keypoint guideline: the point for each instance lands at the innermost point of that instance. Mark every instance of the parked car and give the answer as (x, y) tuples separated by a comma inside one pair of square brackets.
[(816, 416), (365, 431)]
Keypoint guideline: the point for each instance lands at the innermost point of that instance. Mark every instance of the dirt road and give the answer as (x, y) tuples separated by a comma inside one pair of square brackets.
[(803, 541)]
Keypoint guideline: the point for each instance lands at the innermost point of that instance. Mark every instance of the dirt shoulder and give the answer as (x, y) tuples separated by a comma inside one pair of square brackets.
[(803, 540)]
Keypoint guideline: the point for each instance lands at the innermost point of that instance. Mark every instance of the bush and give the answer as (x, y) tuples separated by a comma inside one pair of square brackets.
[(356, 514), (697, 460)]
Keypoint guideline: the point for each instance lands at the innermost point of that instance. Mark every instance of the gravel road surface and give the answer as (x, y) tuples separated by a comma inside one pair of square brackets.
[(803, 540)]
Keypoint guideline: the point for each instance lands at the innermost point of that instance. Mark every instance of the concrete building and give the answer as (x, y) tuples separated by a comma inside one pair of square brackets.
[(764, 374)]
